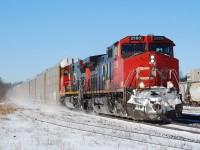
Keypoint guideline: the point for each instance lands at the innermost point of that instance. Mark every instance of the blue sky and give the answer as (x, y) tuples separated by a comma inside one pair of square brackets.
[(36, 34)]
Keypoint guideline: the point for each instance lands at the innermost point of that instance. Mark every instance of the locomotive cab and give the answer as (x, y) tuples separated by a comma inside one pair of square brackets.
[(146, 61)]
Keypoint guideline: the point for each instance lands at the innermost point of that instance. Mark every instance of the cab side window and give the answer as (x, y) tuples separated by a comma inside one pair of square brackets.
[(66, 72)]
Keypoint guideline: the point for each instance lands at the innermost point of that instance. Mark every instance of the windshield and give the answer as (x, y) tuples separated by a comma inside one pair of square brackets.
[(161, 48), (132, 48)]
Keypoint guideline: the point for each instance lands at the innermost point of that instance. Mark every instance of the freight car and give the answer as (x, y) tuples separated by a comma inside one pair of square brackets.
[(136, 78), (45, 86), (190, 90)]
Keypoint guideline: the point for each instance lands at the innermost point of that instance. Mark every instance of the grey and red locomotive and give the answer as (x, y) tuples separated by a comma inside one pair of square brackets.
[(137, 77)]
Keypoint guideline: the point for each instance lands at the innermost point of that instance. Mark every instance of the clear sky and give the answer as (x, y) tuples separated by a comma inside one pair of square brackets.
[(36, 34)]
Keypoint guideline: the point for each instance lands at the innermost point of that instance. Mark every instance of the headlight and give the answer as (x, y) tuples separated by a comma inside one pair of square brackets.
[(152, 59), (170, 85), (141, 85), (152, 56), (134, 92)]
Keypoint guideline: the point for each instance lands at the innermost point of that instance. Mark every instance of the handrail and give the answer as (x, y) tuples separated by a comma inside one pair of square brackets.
[(170, 71), (138, 76), (149, 74), (129, 75), (175, 74)]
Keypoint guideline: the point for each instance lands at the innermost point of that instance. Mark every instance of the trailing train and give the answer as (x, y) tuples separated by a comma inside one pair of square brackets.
[(190, 89), (136, 78)]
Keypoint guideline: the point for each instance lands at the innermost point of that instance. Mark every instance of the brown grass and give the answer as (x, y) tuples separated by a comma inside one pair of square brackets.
[(6, 109)]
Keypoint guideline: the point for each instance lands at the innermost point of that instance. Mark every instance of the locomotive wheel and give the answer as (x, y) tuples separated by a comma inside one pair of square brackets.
[(110, 105), (67, 102), (130, 108), (76, 103)]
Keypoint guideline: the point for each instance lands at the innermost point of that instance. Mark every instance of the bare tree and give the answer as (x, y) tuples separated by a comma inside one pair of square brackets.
[(2, 88), (182, 78)]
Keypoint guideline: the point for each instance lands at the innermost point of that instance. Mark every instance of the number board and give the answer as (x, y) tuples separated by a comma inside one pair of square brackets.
[(158, 38), (136, 38)]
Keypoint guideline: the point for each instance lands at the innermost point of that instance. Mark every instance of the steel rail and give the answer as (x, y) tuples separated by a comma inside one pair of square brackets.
[(95, 132)]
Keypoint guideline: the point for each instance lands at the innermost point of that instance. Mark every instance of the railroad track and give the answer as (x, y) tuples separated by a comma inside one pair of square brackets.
[(185, 121), (191, 122), (163, 125), (114, 132), (180, 122), (192, 117), (188, 120), (170, 125)]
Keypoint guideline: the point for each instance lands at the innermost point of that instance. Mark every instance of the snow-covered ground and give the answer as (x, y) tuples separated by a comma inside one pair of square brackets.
[(36, 125)]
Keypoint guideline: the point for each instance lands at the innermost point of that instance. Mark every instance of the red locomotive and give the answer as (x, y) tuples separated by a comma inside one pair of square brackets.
[(136, 78)]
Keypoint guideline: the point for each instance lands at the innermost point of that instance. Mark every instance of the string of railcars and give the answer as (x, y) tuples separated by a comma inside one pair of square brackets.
[(136, 78), (190, 89)]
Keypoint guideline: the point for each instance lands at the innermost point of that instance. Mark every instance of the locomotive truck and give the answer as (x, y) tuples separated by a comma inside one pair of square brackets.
[(136, 78)]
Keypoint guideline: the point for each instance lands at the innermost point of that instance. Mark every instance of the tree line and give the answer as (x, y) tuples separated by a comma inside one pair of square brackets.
[(2, 89), (5, 87)]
